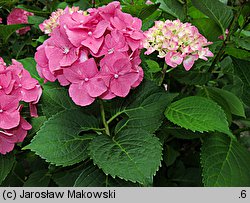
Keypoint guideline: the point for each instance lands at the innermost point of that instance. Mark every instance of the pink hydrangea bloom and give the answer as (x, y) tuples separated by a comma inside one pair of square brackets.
[(1, 20), (19, 16), (177, 42), (96, 52), (85, 82), (16, 85)]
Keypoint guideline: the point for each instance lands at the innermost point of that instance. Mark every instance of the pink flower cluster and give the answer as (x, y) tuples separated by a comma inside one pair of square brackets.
[(95, 52), (16, 85), (19, 16), (177, 42)]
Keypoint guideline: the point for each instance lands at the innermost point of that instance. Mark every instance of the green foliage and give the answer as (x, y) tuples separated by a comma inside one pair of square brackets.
[(225, 162), (215, 10), (133, 155), (198, 114), (38, 179), (172, 7), (7, 30), (6, 164), (59, 141)]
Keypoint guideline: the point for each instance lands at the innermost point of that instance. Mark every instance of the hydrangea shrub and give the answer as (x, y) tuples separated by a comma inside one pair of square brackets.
[(128, 93)]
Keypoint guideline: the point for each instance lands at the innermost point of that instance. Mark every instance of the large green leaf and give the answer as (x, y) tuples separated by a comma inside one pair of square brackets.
[(55, 99), (30, 65), (133, 154), (225, 162), (59, 141), (173, 7), (198, 114), (237, 52), (241, 69), (144, 108), (7, 30), (6, 164), (215, 10)]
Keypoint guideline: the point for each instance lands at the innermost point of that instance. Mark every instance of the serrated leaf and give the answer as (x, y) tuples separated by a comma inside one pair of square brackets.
[(225, 162), (55, 99), (172, 7), (6, 164), (144, 107), (241, 69), (215, 10), (30, 65), (198, 114), (7, 30), (133, 154), (59, 140), (39, 178)]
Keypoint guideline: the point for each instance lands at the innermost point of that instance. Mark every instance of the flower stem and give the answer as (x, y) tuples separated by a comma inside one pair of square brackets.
[(164, 70), (106, 126)]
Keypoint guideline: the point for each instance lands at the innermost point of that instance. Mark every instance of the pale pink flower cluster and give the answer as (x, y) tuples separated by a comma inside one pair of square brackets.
[(16, 85), (177, 42), (95, 52), (19, 16)]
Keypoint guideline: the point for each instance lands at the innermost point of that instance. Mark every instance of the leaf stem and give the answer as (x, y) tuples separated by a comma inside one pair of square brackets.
[(164, 70), (106, 126)]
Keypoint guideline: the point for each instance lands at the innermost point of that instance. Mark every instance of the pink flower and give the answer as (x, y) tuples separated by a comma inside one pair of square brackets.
[(6, 82), (173, 59), (177, 42), (118, 74), (189, 60), (86, 85), (59, 51), (9, 138), (19, 16), (82, 52), (1, 20), (9, 114), (26, 88), (222, 37), (114, 42)]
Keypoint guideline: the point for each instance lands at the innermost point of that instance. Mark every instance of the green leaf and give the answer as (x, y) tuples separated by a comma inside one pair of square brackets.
[(144, 108), (215, 10), (39, 178), (225, 162), (34, 10), (153, 66), (36, 123), (173, 7), (55, 99), (198, 114), (237, 53), (243, 42), (133, 154), (67, 178), (7, 30), (241, 69), (91, 176), (6, 164), (192, 77), (7, 3), (234, 103), (30, 65), (36, 21), (147, 11), (59, 141)]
